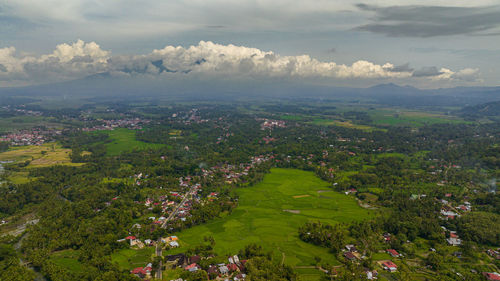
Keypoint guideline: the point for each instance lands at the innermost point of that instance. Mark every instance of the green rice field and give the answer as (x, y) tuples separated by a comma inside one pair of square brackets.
[(271, 212), (124, 140)]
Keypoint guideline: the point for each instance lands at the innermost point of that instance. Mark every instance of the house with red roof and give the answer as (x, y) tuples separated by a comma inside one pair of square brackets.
[(232, 267), (139, 272), (191, 267), (389, 266), (393, 253), (195, 259), (491, 276), (350, 256)]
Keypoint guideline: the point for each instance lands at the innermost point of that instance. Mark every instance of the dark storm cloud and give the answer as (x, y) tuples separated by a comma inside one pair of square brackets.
[(430, 21), (402, 68)]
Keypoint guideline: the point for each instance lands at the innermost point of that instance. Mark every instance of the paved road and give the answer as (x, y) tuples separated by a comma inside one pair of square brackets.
[(159, 272)]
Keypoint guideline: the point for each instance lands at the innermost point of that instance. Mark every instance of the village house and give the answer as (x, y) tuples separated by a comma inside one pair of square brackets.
[(494, 253), (389, 266), (393, 253), (195, 259), (351, 248), (143, 272), (349, 256), (492, 276), (192, 267), (454, 240), (179, 259), (387, 237), (351, 191), (371, 274), (232, 267), (224, 270)]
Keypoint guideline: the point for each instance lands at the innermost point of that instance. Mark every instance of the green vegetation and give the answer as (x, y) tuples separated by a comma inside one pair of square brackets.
[(270, 212), (274, 196), (393, 117), (132, 258), (67, 259), (45, 155), (26, 122), (124, 140), (346, 124)]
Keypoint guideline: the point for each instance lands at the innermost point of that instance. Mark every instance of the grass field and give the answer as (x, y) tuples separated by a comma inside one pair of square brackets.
[(346, 124), (26, 122), (260, 217), (45, 155), (124, 140), (128, 259), (391, 117), (67, 259)]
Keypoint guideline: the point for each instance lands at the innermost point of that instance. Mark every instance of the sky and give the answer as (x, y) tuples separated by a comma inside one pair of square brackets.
[(422, 43)]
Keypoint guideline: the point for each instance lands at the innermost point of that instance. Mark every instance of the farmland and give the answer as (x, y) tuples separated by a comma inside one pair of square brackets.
[(39, 156), (413, 118), (67, 259), (124, 140), (131, 258), (270, 212)]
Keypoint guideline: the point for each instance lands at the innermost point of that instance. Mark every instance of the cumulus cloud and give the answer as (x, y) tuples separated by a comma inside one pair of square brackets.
[(207, 59), (66, 62)]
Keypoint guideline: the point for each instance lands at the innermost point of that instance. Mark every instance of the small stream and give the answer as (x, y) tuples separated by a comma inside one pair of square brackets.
[(17, 247), (21, 229)]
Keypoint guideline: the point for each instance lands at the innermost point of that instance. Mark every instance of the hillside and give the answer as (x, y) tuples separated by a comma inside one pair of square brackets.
[(490, 109)]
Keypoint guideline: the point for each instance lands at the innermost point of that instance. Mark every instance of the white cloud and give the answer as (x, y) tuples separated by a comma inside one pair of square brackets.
[(466, 75), (207, 59), (214, 59), (66, 62)]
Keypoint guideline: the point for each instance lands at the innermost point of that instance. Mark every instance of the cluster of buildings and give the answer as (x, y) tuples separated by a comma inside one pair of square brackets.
[(22, 110), (449, 212), (233, 268), (191, 117), (26, 111), (143, 272), (453, 238), (176, 205), (133, 124), (270, 124), (35, 136), (351, 254)]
